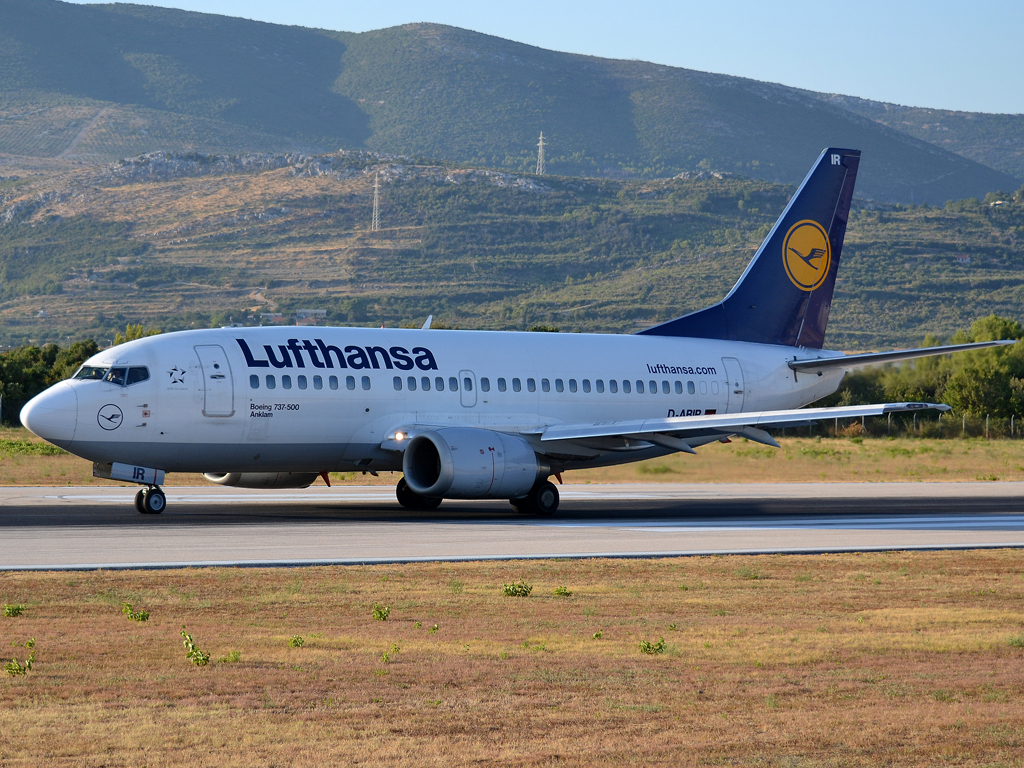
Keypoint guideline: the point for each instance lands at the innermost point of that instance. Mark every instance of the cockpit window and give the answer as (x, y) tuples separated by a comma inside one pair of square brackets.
[(116, 375), (92, 372), (137, 374)]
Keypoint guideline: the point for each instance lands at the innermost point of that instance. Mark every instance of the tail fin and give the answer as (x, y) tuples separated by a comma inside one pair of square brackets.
[(785, 293)]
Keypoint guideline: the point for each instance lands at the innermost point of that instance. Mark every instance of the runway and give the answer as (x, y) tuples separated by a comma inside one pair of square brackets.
[(85, 528)]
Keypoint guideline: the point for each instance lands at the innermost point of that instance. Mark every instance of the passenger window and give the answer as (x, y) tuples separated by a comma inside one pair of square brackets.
[(679, 387), (625, 386), (517, 385), (398, 383), (453, 384), (690, 389), (333, 382), (714, 387), (318, 382), (366, 382), (439, 384), (665, 389), (559, 385), (411, 381), (545, 385), (302, 382), (116, 376), (485, 384), (639, 387), (254, 381), (467, 383), (703, 387), (425, 383), (572, 385), (613, 386), (654, 386), (599, 384), (350, 382), (271, 382), (586, 385), (501, 385), (531, 385), (286, 382), (135, 375)]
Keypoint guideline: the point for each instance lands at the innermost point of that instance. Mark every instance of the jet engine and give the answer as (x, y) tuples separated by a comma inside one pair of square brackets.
[(467, 463), (263, 479)]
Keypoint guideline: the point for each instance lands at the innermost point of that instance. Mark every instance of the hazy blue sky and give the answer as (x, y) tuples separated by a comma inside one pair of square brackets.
[(954, 54)]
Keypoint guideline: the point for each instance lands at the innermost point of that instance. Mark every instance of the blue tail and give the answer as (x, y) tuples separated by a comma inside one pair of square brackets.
[(785, 293)]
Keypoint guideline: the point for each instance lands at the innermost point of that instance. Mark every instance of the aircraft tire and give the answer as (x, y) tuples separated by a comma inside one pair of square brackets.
[(543, 498), (409, 499), (154, 501), (139, 497)]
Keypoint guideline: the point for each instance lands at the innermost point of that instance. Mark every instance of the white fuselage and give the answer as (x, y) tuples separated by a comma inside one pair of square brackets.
[(294, 404)]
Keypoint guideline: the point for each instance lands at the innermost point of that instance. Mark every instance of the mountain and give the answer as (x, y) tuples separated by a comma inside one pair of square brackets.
[(92, 83)]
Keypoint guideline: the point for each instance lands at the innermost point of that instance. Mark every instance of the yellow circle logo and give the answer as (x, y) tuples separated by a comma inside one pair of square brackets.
[(807, 254)]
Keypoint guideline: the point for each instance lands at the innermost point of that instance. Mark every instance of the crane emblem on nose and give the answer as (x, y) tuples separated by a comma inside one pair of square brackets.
[(109, 417)]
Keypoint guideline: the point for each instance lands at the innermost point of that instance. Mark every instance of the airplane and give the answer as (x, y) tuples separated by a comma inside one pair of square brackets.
[(478, 414)]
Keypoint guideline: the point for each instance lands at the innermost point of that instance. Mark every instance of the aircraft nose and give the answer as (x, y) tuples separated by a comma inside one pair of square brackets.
[(53, 414)]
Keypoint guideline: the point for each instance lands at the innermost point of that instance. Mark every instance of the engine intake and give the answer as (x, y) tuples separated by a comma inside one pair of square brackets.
[(263, 479), (467, 463)]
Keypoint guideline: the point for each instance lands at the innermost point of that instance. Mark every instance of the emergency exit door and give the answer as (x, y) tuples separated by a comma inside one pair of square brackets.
[(734, 386)]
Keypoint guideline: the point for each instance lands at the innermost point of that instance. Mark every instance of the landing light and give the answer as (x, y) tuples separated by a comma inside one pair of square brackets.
[(399, 436)]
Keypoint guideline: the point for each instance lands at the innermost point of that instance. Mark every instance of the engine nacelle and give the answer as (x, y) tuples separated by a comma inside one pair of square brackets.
[(467, 463), (263, 479)]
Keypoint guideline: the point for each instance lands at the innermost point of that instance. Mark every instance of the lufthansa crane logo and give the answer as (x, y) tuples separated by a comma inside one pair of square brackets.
[(807, 254), (109, 417)]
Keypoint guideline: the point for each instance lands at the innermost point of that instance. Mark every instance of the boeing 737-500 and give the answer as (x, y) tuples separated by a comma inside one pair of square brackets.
[(477, 414)]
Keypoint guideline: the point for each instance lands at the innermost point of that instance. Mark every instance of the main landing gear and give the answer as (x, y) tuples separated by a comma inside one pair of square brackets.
[(541, 500), (150, 501), (409, 499)]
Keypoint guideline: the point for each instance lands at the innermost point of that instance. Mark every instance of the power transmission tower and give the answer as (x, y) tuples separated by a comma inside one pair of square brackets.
[(540, 155), (375, 223)]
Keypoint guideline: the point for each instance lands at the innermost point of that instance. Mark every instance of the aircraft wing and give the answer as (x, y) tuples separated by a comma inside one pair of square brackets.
[(672, 432), (811, 365)]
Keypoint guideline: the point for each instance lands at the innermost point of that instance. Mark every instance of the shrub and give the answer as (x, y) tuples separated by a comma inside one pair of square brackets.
[(652, 648), (14, 667), (598, 635), (517, 589), (296, 641), (133, 615), (563, 592), (380, 612), (192, 653), (10, 611)]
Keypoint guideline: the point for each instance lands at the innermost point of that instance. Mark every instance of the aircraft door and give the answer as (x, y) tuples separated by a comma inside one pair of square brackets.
[(467, 388), (218, 385), (734, 386)]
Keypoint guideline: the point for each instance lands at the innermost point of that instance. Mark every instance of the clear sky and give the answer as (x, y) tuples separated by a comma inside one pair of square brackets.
[(953, 54)]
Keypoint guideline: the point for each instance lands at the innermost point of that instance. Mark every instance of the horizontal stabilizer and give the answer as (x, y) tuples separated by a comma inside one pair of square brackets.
[(811, 365), (726, 423)]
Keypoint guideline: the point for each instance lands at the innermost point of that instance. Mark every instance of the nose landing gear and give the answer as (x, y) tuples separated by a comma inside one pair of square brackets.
[(150, 501)]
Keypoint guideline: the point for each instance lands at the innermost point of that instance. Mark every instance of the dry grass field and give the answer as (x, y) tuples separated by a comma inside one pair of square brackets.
[(800, 459), (856, 659)]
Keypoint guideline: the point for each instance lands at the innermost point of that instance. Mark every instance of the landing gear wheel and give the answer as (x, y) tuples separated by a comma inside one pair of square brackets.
[(409, 499), (541, 500), (139, 497), (153, 501)]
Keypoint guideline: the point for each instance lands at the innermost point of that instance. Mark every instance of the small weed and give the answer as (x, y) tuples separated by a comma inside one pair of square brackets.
[(233, 657), (517, 589), (944, 695), (14, 667), (598, 635), (296, 641), (380, 673), (652, 648), (987, 478), (771, 700), (417, 625), (380, 612), (673, 627), (455, 587), (388, 655), (804, 577), (192, 653), (562, 592), (132, 614), (10, 611), (749, 573), (434, 629), (1016, 641)]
